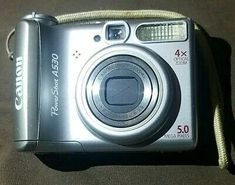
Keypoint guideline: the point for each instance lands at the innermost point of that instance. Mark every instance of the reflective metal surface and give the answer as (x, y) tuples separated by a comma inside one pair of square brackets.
[(68, 56), (139, 110)]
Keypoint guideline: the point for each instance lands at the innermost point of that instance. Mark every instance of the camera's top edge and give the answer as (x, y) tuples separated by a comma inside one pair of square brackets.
[(40, 17)]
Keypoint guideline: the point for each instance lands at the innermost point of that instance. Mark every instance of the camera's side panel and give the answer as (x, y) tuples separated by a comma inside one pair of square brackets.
[(25, 93)]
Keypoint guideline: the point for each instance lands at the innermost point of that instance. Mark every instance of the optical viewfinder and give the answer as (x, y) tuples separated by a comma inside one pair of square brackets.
[(116, 31)]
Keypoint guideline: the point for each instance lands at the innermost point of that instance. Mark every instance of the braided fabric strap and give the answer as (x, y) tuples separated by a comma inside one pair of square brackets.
[(219, 137), (116, 14)]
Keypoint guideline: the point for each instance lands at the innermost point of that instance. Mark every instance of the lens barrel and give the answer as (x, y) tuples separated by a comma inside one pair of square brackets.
[(119, 91)]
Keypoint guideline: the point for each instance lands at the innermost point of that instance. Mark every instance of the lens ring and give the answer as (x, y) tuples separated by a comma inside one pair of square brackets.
[(138, 67), (135, 112), (101, 111)]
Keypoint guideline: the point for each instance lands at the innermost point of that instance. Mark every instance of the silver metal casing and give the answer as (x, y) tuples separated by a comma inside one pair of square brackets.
[(55, 67)]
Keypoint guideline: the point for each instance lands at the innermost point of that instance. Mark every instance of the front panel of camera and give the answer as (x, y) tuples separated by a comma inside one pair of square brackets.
[(105, 85)]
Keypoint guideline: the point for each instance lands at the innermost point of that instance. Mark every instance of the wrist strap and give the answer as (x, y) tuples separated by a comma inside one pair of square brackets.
[(117, 14)]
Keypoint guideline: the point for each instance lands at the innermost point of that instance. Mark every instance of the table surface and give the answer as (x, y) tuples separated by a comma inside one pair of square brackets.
[(217, 17)]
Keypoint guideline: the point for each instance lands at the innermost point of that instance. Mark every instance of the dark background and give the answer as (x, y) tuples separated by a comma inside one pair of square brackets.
[(200, 167)]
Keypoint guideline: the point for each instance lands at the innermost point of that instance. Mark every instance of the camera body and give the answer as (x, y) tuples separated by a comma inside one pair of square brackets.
[(120, 85)]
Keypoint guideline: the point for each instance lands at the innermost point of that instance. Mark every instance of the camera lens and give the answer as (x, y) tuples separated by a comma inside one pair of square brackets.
[(116, 32), (120, 91)]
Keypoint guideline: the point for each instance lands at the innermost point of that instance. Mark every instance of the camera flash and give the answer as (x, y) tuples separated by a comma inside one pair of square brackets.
[(171, 31)]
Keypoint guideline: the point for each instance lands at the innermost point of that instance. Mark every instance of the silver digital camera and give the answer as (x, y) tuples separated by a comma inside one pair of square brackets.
[(100, 86)]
